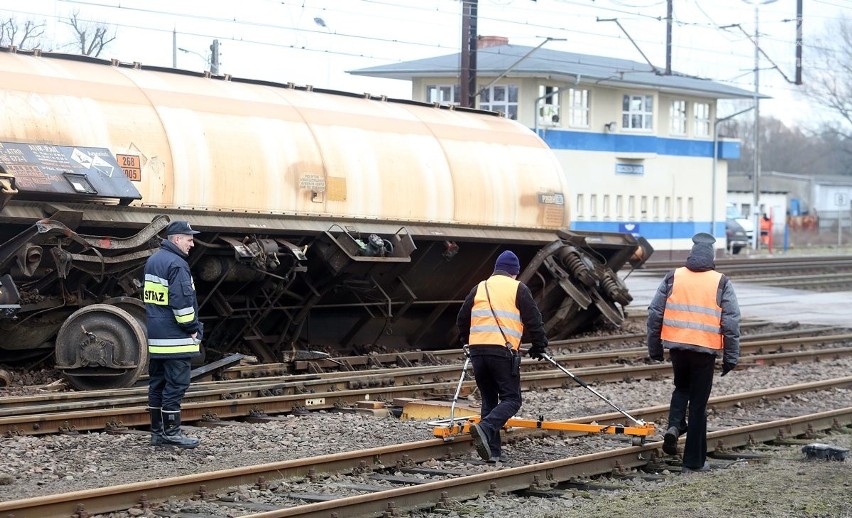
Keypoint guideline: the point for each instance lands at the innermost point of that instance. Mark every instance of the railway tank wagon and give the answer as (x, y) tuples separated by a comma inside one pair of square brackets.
[(330, 221)]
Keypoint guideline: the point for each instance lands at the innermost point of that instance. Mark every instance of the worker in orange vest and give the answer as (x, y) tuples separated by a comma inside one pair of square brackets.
[(495, 315), (766, 231), (695, 315)]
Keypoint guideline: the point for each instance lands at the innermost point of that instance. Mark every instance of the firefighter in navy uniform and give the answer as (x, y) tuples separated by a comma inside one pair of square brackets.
[(174, 333), (495, 315), (695, 315)]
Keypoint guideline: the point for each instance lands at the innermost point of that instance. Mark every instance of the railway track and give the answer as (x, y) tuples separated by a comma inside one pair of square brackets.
[(765, 265), (419, 485), (263, 398)]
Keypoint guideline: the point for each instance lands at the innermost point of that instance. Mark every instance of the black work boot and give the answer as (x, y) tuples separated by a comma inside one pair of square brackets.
[(172, 436), (156, 426), (670, 441), (480, 441)]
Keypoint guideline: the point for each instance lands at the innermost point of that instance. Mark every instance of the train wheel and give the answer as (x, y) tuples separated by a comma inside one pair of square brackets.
[(133, 306), (101, 347)]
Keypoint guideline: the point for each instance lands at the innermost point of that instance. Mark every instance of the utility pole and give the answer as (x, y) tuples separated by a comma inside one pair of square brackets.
[(756, 173), (799, 42), (669, 21), (214, 58), (467, 76)]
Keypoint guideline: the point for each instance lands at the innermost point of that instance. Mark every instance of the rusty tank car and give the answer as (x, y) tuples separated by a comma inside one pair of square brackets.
[(330, 221)]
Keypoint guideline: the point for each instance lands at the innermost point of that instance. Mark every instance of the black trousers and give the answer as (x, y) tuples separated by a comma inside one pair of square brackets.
[(693, 380), (500, 387), (168, 381)]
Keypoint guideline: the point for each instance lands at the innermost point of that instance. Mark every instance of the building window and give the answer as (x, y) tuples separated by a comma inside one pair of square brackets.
[(548, 106), (631, 207), (605, 211), (579, 205), (637, 112), (643, 207), (656, 207), (443, 94), (690, 208), (702, 119), (679, 208), (677, 118), (619, 206), (593, 205), (667, 207), (578, 108), (501, 98)]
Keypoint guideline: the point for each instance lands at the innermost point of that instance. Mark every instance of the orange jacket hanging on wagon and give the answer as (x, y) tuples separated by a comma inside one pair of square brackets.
[(692, 314), (483, 328)]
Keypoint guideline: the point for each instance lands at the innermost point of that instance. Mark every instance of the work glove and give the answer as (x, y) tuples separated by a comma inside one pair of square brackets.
[(727, 367), (536, 351)]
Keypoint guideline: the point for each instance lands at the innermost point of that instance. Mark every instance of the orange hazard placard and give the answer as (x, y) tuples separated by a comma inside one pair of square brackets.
[(131, 165)]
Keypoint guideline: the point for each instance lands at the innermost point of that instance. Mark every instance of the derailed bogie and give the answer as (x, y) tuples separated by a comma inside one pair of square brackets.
[(101, 346)]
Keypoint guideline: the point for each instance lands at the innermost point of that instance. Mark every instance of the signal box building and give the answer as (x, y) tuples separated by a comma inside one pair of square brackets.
[(637, 145)]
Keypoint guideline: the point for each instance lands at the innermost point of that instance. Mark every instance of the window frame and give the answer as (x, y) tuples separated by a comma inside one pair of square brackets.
[(701, 121), (506, 105), (455, 93), (644, 113), (579, 110), (678, 117)]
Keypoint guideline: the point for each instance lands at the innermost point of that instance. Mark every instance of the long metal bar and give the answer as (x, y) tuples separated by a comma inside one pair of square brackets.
[(595, 392)]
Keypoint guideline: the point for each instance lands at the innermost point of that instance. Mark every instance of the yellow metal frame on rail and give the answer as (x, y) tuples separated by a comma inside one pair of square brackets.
[(463, 427)]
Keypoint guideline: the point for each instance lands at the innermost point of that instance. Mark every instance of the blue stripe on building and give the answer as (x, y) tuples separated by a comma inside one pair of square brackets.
[(652, 229), (615, 143)]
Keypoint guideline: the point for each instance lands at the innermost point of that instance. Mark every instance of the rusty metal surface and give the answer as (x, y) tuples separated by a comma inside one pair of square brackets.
[(215, 144)]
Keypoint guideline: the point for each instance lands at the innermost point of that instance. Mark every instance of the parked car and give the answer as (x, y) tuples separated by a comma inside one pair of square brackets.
[(732, 212), (737, 236)]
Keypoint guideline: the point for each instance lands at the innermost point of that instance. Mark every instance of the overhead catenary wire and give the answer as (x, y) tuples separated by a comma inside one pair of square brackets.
[(513, 14)]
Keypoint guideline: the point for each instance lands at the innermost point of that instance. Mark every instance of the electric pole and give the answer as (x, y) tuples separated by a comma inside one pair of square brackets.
[(467, 76), (214, 58), (669, 21)]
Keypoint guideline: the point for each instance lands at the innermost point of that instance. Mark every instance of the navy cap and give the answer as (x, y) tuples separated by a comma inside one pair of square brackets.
[(180, 227)]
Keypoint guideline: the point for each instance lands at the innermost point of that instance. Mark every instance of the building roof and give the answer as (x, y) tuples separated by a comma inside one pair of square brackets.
[(561, 66), (778, 181)]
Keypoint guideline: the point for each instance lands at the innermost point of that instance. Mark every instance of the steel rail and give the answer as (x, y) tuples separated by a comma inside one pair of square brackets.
[(323, 382), (215, 408), (546, 474), (120, 497), (761, 264)]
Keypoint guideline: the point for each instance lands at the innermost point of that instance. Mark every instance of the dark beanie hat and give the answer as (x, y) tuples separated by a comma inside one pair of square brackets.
[(702, 249), (508, 262)]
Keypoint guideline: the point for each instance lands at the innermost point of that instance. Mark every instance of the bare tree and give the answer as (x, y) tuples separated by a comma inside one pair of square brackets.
[(830, 77), (789, 150), (91, 37), (27, 36)]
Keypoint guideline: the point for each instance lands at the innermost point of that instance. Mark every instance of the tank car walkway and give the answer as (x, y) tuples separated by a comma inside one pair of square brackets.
[(759, 302)]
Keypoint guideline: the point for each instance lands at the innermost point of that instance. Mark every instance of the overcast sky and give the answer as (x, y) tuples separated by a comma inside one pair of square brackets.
[(317, 41)]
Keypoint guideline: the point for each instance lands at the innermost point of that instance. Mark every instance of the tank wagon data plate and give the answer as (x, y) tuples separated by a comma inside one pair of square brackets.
[(62, 170)]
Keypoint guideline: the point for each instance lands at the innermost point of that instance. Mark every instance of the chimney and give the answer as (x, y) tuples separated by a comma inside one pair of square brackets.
[(483, 42)]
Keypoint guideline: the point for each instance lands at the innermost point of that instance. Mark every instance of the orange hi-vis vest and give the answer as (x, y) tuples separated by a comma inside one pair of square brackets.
[(483, 328), (692, 315)]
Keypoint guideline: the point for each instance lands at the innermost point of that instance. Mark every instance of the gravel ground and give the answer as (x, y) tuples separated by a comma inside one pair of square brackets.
[(54, 464), (787, 484)]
